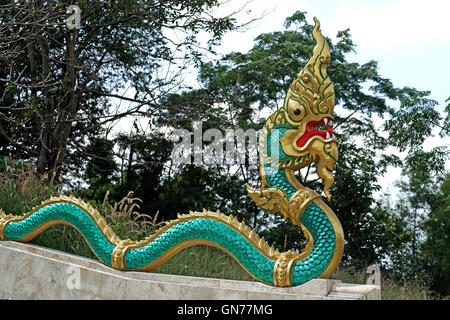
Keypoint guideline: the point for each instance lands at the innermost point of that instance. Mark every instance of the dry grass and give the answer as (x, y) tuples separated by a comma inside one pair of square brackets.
[(390, 290), (126, 220), (21, 189)]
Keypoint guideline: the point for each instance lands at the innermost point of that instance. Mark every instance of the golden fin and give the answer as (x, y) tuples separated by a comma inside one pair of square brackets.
[(270, 199)]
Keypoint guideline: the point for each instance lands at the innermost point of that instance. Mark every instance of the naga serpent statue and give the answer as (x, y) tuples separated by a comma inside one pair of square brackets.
[(290, 140)]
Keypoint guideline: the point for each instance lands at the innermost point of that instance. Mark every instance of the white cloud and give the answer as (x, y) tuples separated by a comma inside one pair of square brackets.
[(394, 23)]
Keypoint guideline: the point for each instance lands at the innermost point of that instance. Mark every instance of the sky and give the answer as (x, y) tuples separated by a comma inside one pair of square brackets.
[(410, 40)]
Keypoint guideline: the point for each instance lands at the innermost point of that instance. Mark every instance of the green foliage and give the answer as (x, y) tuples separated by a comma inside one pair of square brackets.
[(100, 169), (416, 111), (417, 208), (283, 235), (353, 200), (408, 290), (21, 190), (445, 129), (204, 261), (436, 247), (101, 166), (195, 188), (423, 168), (125, 219), (147, 158)]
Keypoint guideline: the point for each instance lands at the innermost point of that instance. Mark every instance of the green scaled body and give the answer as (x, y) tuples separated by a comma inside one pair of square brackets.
[(224, 236)]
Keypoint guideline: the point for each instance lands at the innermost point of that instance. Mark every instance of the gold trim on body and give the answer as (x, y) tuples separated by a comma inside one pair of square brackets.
[(122, 246), (310, 98)]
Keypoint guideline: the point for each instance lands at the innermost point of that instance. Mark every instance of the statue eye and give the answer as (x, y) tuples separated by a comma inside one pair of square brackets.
[(295, 110)]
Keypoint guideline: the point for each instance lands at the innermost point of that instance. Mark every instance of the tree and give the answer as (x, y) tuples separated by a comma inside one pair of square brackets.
[(60, 86), (145, 169), (446, 127), (436, 247), (100, 168), (416, 208)]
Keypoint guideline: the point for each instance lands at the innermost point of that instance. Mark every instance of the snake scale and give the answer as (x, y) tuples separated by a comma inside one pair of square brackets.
[(290, 140)]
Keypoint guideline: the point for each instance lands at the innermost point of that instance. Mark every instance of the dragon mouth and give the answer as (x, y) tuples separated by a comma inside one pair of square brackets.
[(312, 131)]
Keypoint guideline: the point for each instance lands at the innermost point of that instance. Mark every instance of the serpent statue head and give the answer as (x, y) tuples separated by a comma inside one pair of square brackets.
[(301, 131)]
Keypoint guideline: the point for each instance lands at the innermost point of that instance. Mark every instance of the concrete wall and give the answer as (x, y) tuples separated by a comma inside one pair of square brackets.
[(32, 272)]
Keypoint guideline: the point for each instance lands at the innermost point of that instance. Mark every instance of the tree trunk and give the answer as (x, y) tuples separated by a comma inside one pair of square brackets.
[(54, 142), (44, 133), (130, 167)]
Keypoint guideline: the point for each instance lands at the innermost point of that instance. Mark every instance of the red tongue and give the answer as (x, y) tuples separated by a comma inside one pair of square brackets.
[(311, 130)]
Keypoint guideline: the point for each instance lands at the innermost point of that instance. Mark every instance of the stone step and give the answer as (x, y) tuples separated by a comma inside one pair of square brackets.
[(345, 296)]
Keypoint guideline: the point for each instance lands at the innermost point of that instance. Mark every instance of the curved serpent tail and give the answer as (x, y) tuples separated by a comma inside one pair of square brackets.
[(289, 142), (216, 229)]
